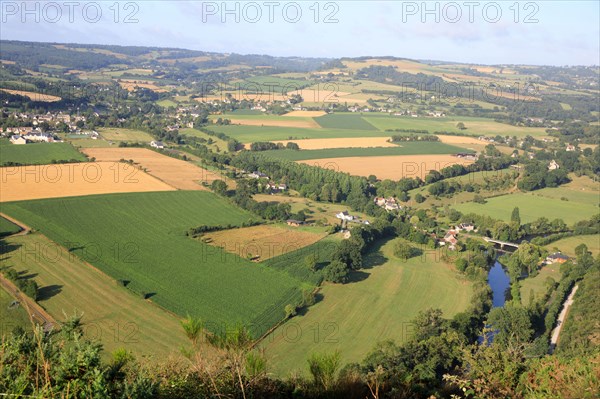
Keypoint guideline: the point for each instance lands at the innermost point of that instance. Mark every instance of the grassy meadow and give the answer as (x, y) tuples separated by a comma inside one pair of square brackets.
[(378, 304), (110, 313), (38, 153), (408, 148), (531, 206), (140, 239)]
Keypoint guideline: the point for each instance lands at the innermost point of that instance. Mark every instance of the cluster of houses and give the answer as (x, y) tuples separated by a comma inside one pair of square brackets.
[(33, 137), (52, 118), (389, 204)]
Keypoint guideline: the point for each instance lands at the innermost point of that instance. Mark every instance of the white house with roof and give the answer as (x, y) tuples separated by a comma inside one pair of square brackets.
[(157, 144), (258, 175), (18, 139), (344, 215), (39, 137), (553, 165)]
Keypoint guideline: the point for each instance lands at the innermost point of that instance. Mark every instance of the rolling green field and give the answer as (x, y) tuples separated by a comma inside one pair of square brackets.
[(377, 305), (111, 314), (273, 84), (218, 143), (140, 238), (11, 317), (250, 134), (407, 148), (531, 207), (37, 153), (475, 126), (582, 197), (344, 121), (568, 245), (7, 227), (536, 286), (119, 134)]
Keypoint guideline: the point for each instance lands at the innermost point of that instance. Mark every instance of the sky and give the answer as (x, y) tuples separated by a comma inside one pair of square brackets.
[(482, 32)]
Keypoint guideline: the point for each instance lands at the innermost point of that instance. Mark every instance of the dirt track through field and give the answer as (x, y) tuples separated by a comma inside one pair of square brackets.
[(174, 172), (20, 183), (389, 167)]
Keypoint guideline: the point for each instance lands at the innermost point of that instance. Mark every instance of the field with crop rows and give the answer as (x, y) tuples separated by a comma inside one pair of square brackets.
[(140, 239), (37, 153)]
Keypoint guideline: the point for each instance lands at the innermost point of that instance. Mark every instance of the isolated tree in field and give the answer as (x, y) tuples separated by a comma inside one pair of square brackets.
[(311, 262), (461, 126), (419, 198), (290, 311), (336, 272), (516, 217), (404, 250), (219, 187)]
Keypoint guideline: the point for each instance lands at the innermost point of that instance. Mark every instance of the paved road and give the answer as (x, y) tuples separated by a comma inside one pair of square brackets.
[(561, 319)]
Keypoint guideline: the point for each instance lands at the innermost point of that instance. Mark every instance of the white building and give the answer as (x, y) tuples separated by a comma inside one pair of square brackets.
[(344, 215), (157, 144), (39, 136), (17, 139), (553, 165)]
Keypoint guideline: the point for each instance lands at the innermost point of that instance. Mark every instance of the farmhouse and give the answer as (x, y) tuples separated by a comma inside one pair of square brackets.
[(257, 175), (18, 139), (465, 227), (553, 165), (556, 257), (450, 239), (389, 204), (467, 156), (39, 136), (570, 148), (344, 215), (157, 144), (294, 223)]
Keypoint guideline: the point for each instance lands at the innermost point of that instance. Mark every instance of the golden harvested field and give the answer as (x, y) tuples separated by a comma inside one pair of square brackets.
[(33, 95), (308, 123), (70, 180), (459, 139), (469, 142), (266, 241), (357, 142), (389, 167), (131, 85), (310, 114), (174, 172)]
